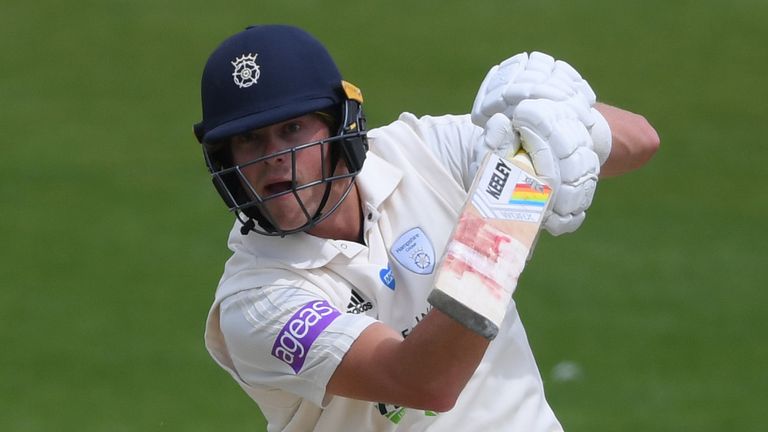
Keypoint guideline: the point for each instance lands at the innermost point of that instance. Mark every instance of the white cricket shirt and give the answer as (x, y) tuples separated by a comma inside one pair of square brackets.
[(287, 309)]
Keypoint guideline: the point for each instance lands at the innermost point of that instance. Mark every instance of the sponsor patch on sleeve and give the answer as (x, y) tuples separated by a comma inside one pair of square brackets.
[(300, 332)]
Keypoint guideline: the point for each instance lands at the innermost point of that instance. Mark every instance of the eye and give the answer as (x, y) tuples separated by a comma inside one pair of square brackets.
[(245, 139), (292, 127), (246, 146)]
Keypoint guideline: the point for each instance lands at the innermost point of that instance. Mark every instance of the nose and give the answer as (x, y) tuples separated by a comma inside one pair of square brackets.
[(274, 144)]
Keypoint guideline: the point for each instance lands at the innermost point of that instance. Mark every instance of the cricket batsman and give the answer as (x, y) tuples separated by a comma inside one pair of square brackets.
[(322, 313)]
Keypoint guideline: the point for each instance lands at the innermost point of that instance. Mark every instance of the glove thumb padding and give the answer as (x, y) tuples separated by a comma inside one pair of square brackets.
[(499, 135), (535, 120), (544, 162)]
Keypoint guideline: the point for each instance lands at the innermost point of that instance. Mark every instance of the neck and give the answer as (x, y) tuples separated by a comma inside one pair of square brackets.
[(345, 223)]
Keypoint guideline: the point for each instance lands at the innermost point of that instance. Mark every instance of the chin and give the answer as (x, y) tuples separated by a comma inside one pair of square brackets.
[(288, 217)]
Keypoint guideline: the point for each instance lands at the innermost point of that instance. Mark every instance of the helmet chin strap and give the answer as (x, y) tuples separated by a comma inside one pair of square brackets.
[(247, 226), (323, 202), (327, 193)]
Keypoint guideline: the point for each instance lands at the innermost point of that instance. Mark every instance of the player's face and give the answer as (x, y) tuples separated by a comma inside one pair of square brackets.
[(274, 175)]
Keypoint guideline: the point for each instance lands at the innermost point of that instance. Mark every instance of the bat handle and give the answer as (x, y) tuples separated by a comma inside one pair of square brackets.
[(523, 160)]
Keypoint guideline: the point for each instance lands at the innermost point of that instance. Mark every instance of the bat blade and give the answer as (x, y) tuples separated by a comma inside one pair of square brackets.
[(490, 244)]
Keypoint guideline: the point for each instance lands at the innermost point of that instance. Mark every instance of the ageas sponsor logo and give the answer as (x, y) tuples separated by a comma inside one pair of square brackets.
[(301, 331)]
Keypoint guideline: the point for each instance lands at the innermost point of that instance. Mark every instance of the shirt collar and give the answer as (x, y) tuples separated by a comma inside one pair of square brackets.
[(377, 180)]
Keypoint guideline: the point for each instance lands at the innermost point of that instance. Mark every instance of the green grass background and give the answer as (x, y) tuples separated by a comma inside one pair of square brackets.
[(113, 238)]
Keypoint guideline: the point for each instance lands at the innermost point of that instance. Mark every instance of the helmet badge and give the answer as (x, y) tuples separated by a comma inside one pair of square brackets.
[(246, 71)]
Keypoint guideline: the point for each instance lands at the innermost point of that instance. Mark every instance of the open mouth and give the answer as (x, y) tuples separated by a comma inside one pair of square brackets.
[(278, 187)]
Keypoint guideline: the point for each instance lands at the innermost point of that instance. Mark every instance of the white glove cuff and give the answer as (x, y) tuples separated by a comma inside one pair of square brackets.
[(601, 137)]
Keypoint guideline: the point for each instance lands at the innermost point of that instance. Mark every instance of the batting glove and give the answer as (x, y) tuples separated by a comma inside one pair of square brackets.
[(563, 155), (498, 137), (539, 76)]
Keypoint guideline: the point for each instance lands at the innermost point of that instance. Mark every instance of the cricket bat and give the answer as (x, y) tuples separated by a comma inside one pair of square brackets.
[(491, 242)]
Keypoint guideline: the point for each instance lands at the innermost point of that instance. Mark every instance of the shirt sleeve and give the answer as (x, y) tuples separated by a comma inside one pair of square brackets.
[(451, 138), (287, 338)]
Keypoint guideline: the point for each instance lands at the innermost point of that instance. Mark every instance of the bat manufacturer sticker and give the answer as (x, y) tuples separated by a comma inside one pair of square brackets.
[(414, 251), (509, 193), (498, 179), (300, 332)]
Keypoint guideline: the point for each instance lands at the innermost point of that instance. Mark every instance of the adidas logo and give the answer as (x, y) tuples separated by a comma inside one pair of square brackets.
[(357, 304)]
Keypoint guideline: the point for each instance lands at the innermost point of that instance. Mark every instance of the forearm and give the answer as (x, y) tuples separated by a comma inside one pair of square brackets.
[(634, 140), (447, 354), (427, 370)]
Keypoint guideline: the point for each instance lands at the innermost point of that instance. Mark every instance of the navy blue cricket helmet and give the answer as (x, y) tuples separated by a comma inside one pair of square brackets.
[(264, 75)]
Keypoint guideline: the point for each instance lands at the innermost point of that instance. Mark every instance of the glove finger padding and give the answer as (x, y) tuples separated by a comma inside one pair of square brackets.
[(489, 99), (534, 76), (583, 110), (568, 135), (578, 166), (575, 198), (567, 73), (544, 128), (560, 147), (558, 225)]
